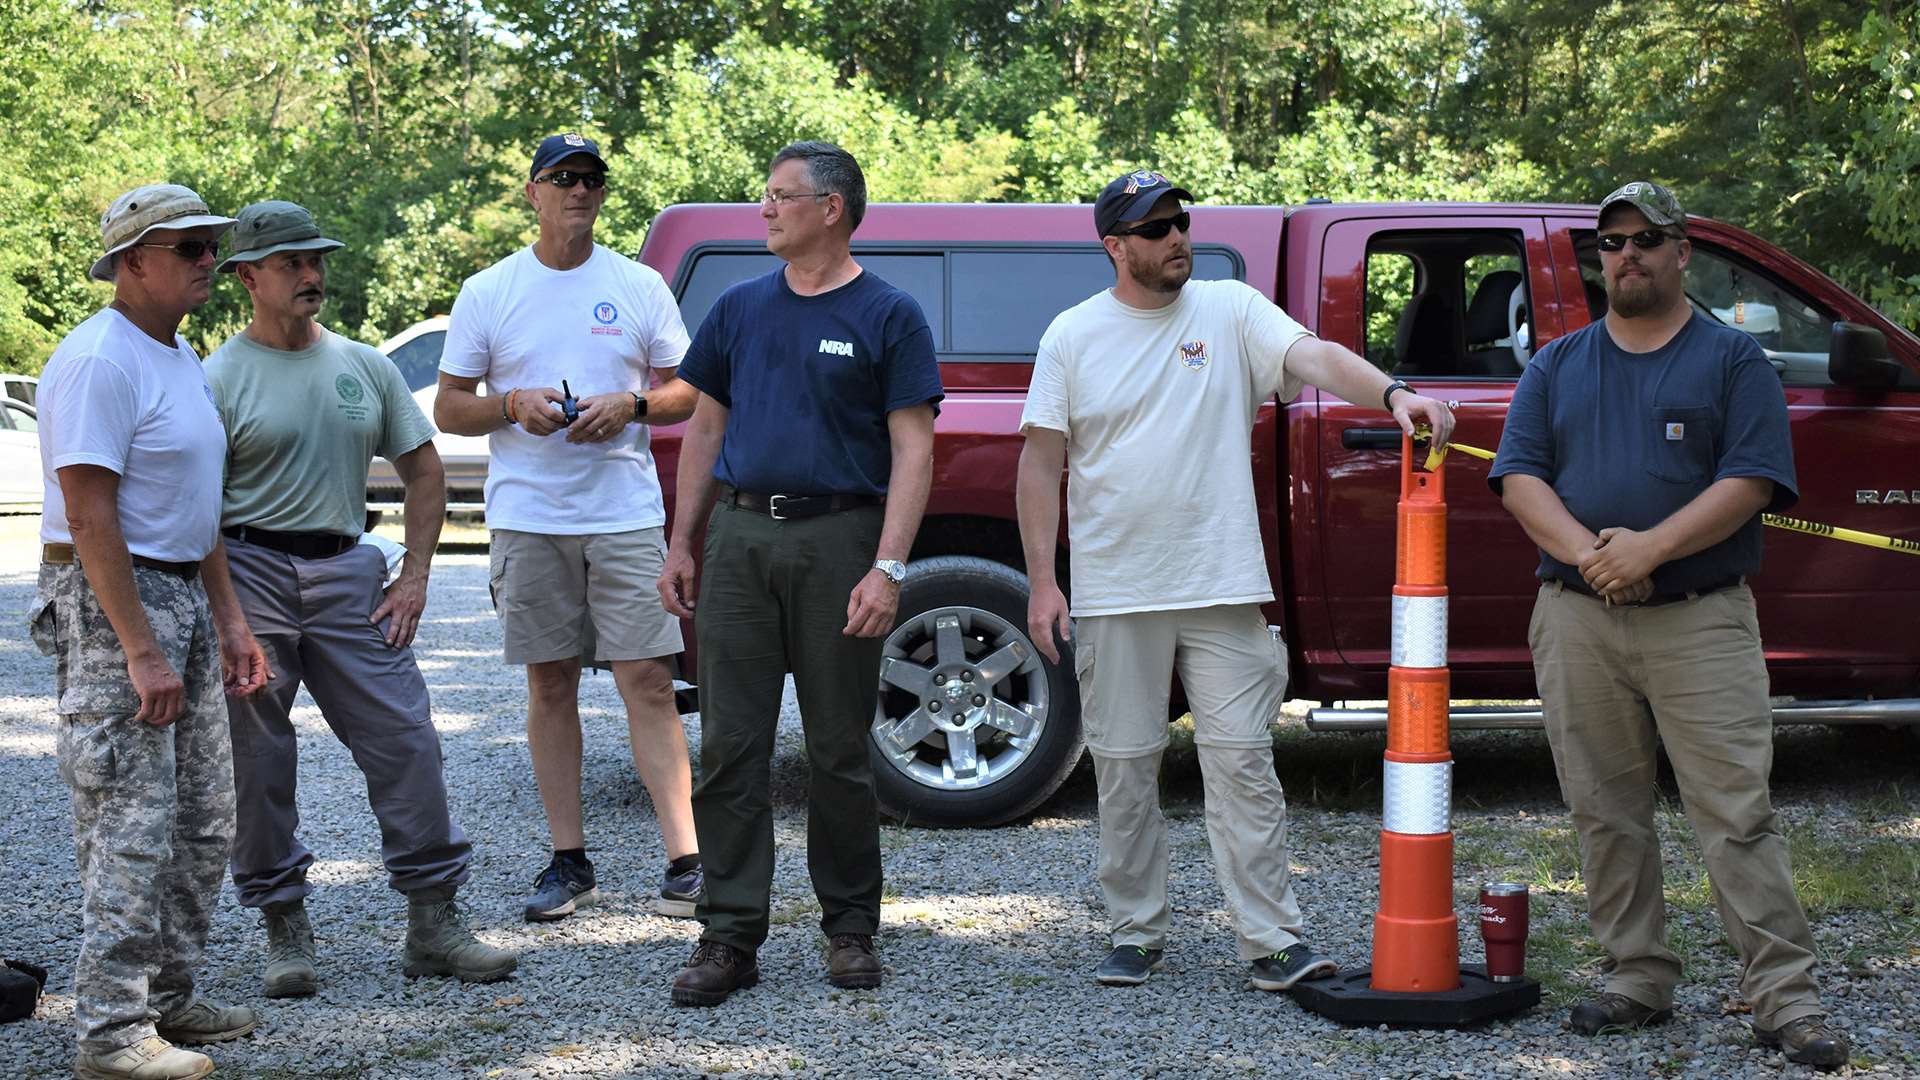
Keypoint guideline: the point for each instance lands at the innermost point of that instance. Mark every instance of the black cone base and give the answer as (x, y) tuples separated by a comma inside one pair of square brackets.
[(1347, 999)]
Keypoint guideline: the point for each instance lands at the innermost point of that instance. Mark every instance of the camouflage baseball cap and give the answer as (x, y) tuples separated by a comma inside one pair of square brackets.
[(1656, 203), (275, 225)]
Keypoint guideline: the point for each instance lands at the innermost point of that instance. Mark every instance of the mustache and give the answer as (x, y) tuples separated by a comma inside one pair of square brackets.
[(317, 294)]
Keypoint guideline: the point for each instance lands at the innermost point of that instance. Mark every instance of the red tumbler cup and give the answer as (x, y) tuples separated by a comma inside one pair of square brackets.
[(1503, 923)]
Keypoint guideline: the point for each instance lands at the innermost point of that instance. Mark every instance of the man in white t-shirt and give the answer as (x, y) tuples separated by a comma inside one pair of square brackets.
[(1147, 394), (574, 511), (135, 604)]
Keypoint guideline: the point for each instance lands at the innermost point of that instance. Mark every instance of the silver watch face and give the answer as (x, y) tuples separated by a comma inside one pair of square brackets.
[(895, 570)]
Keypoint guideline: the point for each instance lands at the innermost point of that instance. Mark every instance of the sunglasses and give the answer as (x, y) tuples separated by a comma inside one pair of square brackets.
[(1645, 239), (1158, 228), (190, 250), (565, 179)]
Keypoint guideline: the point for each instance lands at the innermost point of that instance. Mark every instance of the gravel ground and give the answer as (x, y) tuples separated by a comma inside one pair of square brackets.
[(989, 936)]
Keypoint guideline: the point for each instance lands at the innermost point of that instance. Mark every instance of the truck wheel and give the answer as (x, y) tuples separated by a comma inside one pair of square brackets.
[(974, 727)]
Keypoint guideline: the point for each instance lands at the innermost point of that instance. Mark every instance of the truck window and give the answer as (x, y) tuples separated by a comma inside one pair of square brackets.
[(921, 276), (1003, 300), (1792, 330), (1450, 303)]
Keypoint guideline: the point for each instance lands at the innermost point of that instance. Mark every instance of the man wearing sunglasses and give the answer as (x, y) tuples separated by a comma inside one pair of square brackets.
[(574, 509), (305, 410), (1147, 393), (1639, 453), (135, 603)]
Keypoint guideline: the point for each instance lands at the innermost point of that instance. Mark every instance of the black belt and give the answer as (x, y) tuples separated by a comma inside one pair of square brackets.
[(1659, 599), (63, 555), (782, 507), (304, 545)]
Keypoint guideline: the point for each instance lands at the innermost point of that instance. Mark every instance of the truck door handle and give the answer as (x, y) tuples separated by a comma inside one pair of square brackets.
[(1371, 438)]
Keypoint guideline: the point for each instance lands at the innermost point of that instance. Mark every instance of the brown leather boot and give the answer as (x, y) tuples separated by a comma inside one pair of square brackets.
[(713, 972), (1808, 1041), (851, 963)]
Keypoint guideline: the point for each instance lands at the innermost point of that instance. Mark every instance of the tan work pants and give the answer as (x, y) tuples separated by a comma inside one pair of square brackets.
[(1235, 675), (1616, 682)]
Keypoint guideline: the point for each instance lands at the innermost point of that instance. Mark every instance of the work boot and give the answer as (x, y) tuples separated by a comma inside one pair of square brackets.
[(1808, 1041), (152, 1058), (439, 943), (714, 971), (290, 952), (1613, 1013), (851, 963), (205, 1022)]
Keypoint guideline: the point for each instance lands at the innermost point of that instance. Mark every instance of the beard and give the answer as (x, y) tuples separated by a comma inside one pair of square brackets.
[(1161, 277), (1635, 296)]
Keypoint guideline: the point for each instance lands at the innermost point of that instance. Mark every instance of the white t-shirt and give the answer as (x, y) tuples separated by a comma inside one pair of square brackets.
[(599, 327), (112, 396), (1158, 410)]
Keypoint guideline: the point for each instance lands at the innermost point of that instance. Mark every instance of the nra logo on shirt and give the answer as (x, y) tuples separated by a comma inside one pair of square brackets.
[(836, 348), (1193, 355)]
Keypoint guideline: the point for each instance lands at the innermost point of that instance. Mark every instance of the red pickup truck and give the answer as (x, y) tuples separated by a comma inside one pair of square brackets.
[(1454, 298)]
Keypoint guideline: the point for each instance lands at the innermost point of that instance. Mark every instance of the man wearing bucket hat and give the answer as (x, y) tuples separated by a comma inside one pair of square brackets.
[(1158, 353), (1639, 453), (135, 603), (574, 509), (305, 410)]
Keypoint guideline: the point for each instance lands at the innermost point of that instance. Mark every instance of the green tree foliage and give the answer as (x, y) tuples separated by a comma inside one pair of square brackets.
[(406, 124)]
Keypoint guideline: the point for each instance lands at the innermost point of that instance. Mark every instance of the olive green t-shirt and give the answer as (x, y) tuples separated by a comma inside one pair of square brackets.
[(302, 427)]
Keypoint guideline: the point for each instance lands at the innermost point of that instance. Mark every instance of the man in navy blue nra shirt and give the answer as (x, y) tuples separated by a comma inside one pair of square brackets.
[(1639, 453), (814, 437)]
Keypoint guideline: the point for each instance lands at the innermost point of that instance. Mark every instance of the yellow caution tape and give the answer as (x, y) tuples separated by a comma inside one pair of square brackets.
[(1436, 458)]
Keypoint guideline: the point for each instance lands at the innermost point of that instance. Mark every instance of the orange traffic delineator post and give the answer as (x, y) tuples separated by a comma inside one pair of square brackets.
[(1416, 977)]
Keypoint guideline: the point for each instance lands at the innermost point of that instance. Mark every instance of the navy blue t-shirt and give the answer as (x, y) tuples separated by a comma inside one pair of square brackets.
[(1628, 438), (808, 382)]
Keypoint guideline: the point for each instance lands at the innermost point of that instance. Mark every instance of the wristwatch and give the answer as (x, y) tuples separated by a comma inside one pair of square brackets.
[(639, 407), (895, 570), (1386, 396)]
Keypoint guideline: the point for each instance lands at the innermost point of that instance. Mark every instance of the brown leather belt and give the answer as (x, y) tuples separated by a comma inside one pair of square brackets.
[(1660, 599), (63, 555), (782, 507)]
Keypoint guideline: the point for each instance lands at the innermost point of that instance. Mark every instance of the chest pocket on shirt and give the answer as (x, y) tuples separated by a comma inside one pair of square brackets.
[(1682, 444)]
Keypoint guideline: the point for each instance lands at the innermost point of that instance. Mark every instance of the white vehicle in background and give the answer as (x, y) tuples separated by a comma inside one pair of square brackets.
[(23, 388), (20, 478), (416, 352)]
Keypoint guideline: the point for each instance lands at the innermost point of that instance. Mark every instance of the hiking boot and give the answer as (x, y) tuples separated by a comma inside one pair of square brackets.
[(152, 1058), (714, 971), (680, 894), (1808, 1041), (205, 1022), (439, 943), (1610, 1014), (561, 888), (290, 952), (851, 964), (1288, 966), (1129, 965)]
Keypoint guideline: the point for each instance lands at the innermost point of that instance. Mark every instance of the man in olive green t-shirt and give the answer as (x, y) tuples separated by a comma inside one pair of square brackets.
[(305, 411)]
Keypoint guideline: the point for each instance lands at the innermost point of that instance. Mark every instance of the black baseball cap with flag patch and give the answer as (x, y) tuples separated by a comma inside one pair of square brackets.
[(555, 149), (1129, 198)]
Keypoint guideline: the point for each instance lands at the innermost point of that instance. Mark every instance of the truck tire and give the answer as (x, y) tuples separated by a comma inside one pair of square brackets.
[(973, 728)]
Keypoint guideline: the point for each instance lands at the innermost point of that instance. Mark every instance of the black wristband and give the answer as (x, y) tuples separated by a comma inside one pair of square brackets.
[(1386, 396), (639, 407)]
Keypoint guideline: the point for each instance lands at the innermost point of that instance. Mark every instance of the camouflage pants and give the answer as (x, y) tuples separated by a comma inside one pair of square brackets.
[(152, 806)]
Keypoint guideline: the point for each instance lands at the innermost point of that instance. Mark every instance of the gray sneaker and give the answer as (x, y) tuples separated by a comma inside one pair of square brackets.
[(1290, 965), (1129, 965), (561, 888), (680, 894)]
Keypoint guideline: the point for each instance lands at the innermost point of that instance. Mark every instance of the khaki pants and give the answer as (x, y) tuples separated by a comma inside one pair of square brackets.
[(1615, 683), (1235, 675)]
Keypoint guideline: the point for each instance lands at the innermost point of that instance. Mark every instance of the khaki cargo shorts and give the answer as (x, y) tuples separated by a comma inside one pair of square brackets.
[(594, 597)]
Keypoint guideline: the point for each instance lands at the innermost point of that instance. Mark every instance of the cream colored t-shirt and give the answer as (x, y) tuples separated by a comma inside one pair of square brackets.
[(1158, 409)]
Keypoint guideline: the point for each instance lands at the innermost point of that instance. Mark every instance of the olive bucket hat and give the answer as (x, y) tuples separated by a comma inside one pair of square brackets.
[(140, 211), (273, 226)]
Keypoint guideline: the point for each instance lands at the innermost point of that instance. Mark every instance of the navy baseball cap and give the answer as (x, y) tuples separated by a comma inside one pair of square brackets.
[(1131, 196), (557, 148)]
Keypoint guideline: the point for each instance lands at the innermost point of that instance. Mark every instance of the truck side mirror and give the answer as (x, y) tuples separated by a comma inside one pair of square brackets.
[(1858, 357)]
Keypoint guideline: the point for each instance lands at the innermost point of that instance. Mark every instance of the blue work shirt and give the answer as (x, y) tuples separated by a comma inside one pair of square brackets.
[(1626, 439), (808, 382)]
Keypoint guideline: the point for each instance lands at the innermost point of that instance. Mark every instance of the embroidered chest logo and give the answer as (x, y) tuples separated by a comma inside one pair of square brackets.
[(349, 390), (1676, 432), (1193, 355), (836, 348), (606, 315)]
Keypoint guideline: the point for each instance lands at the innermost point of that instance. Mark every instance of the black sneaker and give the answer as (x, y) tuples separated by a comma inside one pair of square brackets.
[(1129, 965), (680, 894), (1290, 965), (1808, 1041), (1611, 1014), (563, 886)]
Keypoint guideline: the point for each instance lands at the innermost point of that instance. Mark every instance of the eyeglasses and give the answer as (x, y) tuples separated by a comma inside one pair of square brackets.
[(773, 198), (566, 179), (1158, 228), (1645, 239), (190, 250)]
